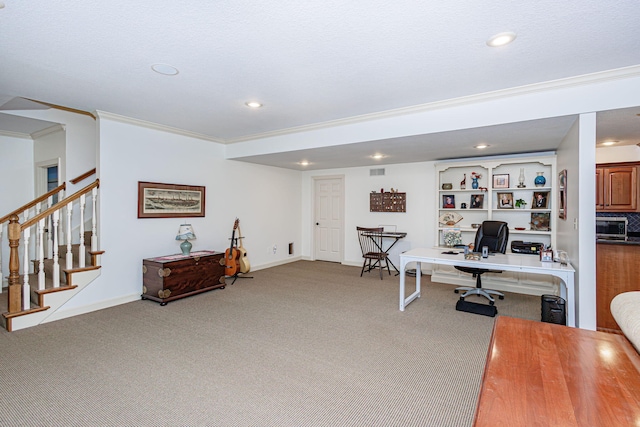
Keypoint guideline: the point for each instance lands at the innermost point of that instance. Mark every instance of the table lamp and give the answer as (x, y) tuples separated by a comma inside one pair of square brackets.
[(185, 232)]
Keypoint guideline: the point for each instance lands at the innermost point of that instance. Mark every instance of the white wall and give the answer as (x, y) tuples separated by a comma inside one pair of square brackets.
[(16, 174), (576, 234), (265, 199), (624, 153), (80, 142), (415, 179)]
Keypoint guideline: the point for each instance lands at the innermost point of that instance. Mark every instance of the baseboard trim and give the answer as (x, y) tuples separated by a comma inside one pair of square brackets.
[(100, 305)]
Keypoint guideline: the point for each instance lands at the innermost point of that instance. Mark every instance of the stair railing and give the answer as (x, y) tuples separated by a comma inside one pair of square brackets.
[(27, 211), (19, 293)]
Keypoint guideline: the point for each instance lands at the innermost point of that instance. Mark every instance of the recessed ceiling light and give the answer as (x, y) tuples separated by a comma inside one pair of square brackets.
[(253, 104), (481, 146), (378, 156), (165, 69), (609, 142), (501, 39), (304, 163)]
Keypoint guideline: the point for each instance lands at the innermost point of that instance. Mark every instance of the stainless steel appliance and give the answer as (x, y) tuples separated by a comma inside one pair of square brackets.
[(611, 228)]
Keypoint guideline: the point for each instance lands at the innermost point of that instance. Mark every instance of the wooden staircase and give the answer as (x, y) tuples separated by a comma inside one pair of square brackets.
[(48, 283)]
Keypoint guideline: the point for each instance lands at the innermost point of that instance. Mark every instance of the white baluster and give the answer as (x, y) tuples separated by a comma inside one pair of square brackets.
[(56, 249), (40, 248), (94, 216), (61, 228), (49, 251), (68, 236), (26, 299), (81, 250)]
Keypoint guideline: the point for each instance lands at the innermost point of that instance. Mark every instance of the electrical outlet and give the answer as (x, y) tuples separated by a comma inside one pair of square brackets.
[(275, 249)]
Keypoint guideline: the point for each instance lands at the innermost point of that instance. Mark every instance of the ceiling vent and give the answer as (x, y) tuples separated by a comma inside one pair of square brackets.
[(376, 172)]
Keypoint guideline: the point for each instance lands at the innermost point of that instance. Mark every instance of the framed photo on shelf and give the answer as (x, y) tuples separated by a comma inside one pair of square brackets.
[(156, 200), (448, 201), (540, 221), (562, 195), (540, 200), (501, 180), (477, 200), (505, 200)]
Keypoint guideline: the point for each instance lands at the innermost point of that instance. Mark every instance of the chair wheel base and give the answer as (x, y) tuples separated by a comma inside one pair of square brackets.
[(501, 296), (492, 302), (456, 291)]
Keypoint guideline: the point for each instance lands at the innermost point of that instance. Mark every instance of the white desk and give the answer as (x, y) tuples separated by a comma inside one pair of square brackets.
[(505, 262)]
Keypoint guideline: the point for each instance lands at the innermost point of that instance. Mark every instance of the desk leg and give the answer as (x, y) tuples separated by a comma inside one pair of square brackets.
[(570, 298), (403, 273)]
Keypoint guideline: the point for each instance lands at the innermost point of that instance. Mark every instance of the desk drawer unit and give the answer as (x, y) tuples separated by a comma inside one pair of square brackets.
[(171, 277)]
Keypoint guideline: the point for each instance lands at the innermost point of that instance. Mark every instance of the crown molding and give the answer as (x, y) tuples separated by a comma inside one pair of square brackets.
[(585, 79), (15, 134), (51, 129), (156, 126)]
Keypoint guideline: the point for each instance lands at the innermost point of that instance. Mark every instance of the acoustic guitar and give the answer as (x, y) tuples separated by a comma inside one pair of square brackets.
[(231, 255), (245, 267)]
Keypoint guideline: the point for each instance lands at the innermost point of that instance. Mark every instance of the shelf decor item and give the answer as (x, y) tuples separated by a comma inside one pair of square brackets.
[(521, 204), (477, 200), (540, 180), (521, 179), (501, 180), (540, 200), (474, 180), (540, 221), (452, 237), (448, 201), (449, 218), (505, 200), (463, 183)]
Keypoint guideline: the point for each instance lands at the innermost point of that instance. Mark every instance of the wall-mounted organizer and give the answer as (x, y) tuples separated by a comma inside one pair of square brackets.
[(388, 202)]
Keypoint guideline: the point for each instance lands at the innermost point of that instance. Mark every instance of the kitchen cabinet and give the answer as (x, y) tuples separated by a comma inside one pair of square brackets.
[(617, 188)]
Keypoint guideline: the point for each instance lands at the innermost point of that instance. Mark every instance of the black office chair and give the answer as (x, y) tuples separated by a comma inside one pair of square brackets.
[(494, 235), (371, 245)]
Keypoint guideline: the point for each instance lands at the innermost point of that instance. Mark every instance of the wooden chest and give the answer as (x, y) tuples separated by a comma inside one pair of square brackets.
[(172, 277)]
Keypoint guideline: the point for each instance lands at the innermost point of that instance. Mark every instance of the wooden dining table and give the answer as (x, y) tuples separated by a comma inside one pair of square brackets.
[(543, 374)]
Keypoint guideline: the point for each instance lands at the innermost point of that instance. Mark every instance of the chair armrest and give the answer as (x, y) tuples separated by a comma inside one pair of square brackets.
[(625, 308)]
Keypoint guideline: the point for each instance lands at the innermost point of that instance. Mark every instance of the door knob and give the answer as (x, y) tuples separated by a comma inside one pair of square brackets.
[(317, 223)]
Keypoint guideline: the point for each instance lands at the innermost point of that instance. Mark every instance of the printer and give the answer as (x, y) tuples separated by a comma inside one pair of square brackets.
[(520, 247)]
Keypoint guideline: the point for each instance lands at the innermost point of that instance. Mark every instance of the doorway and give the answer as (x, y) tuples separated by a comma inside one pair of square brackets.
[(328, 218)]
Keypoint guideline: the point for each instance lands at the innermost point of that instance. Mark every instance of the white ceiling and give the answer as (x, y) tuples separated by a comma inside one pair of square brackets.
[(308, 62)]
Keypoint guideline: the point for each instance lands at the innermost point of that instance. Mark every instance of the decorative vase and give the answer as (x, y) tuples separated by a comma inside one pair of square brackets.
[(540, 180), (521, 179), (463, 183), (474, 183), (185, 247)]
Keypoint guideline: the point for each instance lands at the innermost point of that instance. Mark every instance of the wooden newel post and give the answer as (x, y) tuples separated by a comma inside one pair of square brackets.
[(15, 287)]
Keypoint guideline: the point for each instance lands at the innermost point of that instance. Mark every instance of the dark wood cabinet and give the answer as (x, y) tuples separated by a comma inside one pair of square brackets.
[(617, 188), (172, 277)]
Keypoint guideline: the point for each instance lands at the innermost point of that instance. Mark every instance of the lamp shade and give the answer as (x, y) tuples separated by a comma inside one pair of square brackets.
[(185, 232)]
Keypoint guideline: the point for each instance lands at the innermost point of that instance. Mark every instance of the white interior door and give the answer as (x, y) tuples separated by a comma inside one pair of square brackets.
[(328, 218)]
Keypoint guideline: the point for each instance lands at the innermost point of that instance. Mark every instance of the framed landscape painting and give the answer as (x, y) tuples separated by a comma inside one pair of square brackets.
[(157, 200)]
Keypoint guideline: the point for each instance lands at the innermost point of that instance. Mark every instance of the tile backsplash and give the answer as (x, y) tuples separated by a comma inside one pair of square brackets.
[(633, 219)]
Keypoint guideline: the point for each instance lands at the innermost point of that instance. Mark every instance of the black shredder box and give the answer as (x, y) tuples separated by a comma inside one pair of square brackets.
[(553, 310)]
